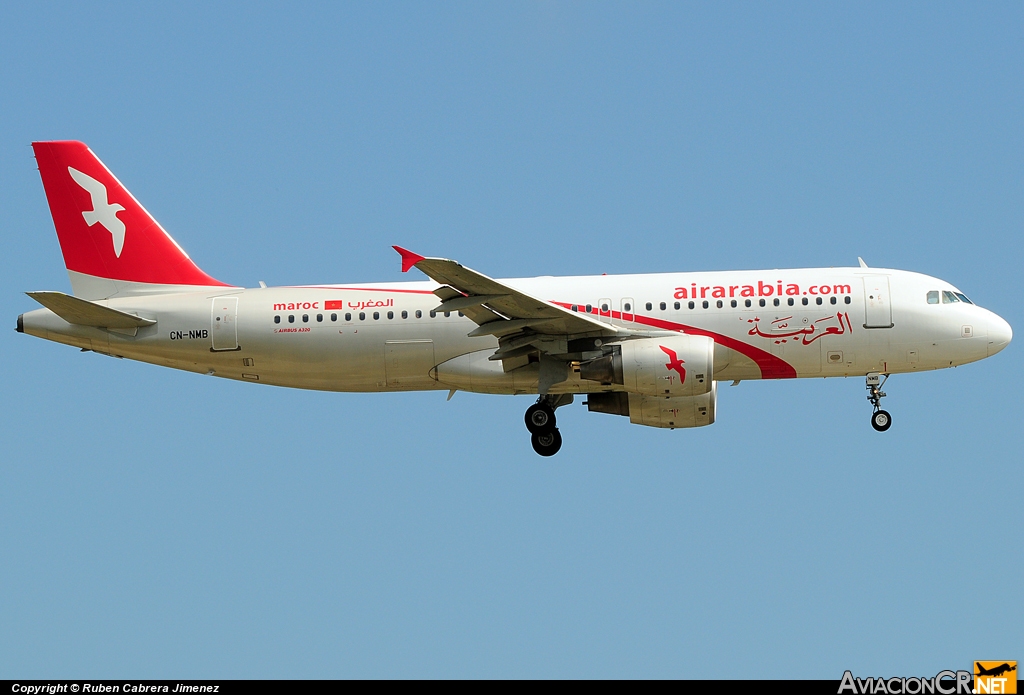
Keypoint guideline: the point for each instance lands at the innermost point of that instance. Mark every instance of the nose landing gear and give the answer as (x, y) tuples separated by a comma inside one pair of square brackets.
[(880, 419), (540, 421)]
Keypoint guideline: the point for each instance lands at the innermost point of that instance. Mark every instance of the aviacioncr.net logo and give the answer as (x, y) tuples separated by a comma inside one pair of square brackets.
[(943, 683)]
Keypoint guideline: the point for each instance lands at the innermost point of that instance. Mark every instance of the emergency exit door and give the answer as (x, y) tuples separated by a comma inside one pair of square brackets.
[(223, 326)]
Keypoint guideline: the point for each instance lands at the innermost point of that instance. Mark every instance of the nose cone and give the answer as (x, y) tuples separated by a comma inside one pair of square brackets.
[(999, 334)]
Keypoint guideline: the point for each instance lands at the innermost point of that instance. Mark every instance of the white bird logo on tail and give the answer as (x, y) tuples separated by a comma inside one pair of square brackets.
[(102, 211)]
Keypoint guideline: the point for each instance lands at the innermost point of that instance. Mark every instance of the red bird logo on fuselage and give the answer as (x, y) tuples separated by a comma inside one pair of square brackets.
[(675, 364)]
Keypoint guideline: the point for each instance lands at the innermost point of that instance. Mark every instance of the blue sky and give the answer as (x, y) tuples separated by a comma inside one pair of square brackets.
[(168, 525)]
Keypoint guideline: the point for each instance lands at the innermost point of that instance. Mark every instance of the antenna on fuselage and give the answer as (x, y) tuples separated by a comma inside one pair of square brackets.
[(862, 263)]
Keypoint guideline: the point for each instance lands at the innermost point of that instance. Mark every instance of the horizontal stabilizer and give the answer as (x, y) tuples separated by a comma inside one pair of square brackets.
[(84, 313)]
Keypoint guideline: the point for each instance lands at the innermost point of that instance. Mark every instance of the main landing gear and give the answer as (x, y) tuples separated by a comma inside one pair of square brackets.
[(540, 420), (880, 419)]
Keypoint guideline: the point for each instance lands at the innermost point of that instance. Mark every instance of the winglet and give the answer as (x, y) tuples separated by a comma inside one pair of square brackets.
[(409, 259)]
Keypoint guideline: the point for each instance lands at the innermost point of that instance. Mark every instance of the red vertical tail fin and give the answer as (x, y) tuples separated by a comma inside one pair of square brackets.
[(111, 244)]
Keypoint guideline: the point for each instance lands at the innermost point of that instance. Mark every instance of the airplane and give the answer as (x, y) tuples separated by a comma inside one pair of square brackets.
[(996, 670), (649, 347)]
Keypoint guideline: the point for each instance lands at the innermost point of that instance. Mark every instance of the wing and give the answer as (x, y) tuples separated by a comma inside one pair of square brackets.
[(522, 324)]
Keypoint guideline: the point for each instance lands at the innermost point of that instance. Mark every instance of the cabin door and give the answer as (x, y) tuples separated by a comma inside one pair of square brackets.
[(223, 325), (877, 305)]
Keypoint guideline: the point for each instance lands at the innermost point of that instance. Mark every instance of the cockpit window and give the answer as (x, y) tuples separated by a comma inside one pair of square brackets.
[(933, 297), (948, 297), (963, 298)]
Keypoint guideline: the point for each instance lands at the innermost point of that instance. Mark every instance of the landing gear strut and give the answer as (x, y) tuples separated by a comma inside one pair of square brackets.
[(540, 421), (880, 419)]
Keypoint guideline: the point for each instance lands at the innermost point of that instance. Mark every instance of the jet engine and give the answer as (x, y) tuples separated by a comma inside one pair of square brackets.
[(674, 366), (658, 411)]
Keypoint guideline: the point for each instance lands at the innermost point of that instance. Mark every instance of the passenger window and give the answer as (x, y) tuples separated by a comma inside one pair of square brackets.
[(334, 317), (690, 305), (746, 303), (604, 307), (391, 314), (433, 314), (760, 302), (676, 305), (461, 314), (804, 301), (590, 308), (933, 297), (305, 318), (705, 303), (832, 300), (277, 319), (719, 303), (818, 301), (649, 306), (447, 314), (405, 314), (348, 317), (376, 316), (362, 315), (576, 307), (291, 318), (733, 303), (628, 306), (419, 314), (662, 306), (963, 297), (846, 299), (948, 297), (790, 301), (775, 301), (319, 318)]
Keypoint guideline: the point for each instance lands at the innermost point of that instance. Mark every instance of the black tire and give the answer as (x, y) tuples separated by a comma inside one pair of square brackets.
[(547, 443), (540, 418), (881, 420)]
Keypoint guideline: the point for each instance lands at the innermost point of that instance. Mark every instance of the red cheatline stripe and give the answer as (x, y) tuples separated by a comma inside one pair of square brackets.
[(771, 366), (354, 289)]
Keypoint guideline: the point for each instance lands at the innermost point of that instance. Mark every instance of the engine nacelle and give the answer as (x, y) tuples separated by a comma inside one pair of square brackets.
[(675, 366), (695, 411), (658, 411)]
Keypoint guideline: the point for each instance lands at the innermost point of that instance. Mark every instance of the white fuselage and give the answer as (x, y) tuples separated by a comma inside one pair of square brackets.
[(382, 337)]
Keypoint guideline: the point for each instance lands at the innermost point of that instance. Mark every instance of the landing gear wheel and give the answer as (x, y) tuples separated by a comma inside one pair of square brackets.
[(547, 443), (881, 420), (540, 419)]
